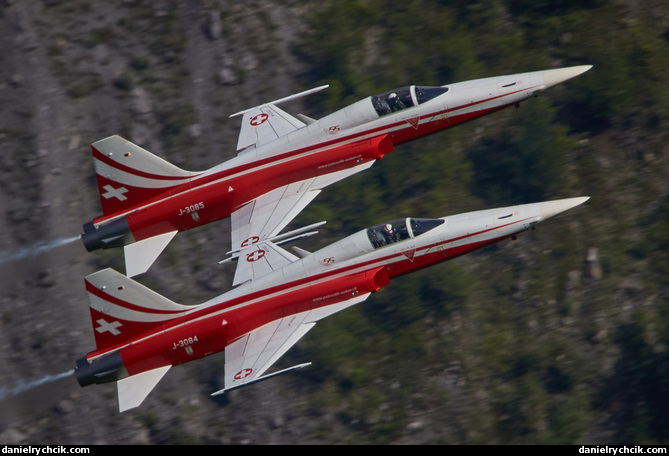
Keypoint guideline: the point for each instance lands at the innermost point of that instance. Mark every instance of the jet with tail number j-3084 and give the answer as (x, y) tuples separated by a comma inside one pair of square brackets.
[(283, 162), (140, 334)]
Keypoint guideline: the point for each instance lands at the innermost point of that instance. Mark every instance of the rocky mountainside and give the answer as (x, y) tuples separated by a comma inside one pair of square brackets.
[(556, 338), (166, 76)]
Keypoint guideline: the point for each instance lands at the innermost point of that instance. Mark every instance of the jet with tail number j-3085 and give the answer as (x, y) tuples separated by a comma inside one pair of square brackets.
[(140, 334), (283, 162)]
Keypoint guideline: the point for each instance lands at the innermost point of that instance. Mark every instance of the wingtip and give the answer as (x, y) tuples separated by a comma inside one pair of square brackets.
[(283, 100)]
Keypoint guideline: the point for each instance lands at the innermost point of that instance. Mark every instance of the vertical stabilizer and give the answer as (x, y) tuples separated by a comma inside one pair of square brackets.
[(129, 175), (122, 309)]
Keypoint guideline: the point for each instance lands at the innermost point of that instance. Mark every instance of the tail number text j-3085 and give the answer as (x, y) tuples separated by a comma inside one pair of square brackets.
[(192, 208)]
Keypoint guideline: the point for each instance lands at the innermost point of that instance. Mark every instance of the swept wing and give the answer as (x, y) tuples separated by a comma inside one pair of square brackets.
[(265, 217), (248, 358), (267, 122)]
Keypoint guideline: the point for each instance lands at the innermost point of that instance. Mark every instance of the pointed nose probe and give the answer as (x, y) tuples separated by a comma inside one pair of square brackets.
[(550, 209), (554, 77)]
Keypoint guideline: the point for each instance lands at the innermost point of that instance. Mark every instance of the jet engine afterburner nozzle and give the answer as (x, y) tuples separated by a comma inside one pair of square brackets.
[(113, 234), (107, 369)]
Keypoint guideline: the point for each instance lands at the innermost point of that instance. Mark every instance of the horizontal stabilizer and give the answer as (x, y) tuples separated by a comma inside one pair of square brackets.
[(133, 390), (140, 255)]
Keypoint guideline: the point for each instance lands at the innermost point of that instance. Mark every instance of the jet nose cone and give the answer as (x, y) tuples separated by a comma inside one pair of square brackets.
[(552, 208), (554, 77)]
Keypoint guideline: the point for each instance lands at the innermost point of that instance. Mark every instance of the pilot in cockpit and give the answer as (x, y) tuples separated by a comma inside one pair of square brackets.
[(394, 102), (390, 234)]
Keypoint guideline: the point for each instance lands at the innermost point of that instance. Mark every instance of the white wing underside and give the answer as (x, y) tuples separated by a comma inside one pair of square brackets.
[(140, 255), (249, 357), (134, 389), (259, 220), (264, 124), (268, 122), (266, 216)]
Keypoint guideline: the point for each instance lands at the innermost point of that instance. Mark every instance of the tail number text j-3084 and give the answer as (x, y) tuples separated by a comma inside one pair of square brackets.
[(192, 208), (184, 342)]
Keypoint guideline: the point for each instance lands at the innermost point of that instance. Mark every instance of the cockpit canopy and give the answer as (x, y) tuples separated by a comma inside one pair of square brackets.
[(399, 230), (404, 97)]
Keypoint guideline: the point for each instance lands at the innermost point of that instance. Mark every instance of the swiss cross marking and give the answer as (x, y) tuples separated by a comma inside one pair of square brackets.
[(115, 193), (243, 374), (259, 119), (111, 327), (249, 241), (255, 256)]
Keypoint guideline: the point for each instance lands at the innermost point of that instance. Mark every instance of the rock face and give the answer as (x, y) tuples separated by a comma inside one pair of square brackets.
[(165, 75)]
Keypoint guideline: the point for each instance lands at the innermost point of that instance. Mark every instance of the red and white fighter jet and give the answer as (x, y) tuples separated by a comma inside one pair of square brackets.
[(140, 334), (282, 164)]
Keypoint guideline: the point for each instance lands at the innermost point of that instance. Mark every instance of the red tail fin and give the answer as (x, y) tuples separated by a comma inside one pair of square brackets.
[(129, 175), (122, 309)]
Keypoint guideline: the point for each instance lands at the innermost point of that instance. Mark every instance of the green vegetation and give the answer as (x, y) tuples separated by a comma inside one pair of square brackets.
[(548, 343)]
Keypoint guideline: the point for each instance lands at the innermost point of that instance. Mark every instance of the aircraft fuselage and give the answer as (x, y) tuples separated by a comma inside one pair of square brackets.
[(352, 136)]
